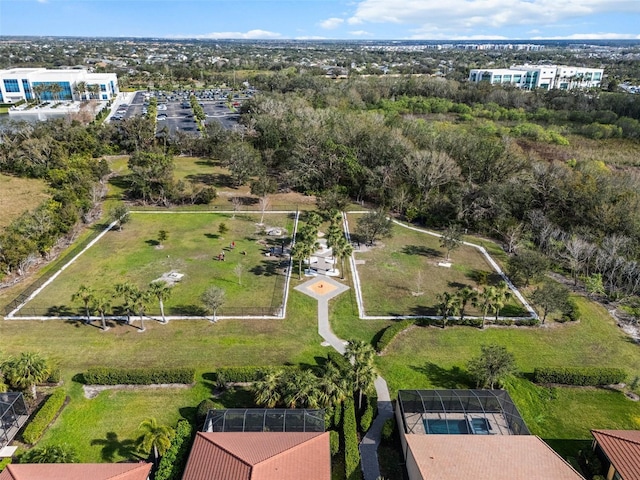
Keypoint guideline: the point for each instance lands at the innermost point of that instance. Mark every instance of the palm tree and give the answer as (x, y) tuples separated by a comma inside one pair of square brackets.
[(465, 295), (156, 437), (55, 90), (333, 386), (94, 90), (86, 295), (500, 297), (38, 90), (342, 250), (334, 234), (123, 290), (301, 390), (26, 371), (101, 305), (139, 301), (213, 298), (485, 302), (162, 292), (80, 89), (361, 355), (449, 306), (268, 390)]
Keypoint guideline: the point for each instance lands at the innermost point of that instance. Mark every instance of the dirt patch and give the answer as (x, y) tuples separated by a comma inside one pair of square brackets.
[(170, 278), (92, 391), (322, 288)]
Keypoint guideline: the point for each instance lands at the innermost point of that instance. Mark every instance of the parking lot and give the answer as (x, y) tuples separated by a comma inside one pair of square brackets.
[(175, 112)]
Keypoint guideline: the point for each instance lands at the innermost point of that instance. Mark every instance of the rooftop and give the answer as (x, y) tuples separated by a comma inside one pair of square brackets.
[(622, 448), (259, 456), (76, 471), (497, 457)]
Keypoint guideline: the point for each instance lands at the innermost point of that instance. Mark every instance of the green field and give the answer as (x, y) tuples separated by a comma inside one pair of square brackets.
[(193, 245), (401, 276)]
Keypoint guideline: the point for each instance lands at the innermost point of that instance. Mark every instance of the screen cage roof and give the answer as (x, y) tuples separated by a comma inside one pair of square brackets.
[(264, 420), (468, 402)]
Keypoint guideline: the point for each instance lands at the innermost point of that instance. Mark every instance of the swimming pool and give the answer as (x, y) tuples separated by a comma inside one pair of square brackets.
[(434, 426)]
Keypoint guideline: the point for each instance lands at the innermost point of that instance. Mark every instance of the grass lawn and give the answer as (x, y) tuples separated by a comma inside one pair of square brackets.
[(192, 247), (401, 276), (18, 195)]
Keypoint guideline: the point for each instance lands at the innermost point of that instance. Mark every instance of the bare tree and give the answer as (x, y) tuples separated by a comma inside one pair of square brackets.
[(239, 270), (236, 202)]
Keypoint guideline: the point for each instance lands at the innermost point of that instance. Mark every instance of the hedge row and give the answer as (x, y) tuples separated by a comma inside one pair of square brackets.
[(351, 452), (391, 332), (334, 442), (581, 376), (44, 417), (4, 462), (369, 413), (138, 376), (246, 374), (173, 461)]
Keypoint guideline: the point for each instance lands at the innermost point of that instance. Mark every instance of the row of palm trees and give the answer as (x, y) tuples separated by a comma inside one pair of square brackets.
[(307, 240), (81, 89), (491, 299), (326, 388), (135, 300)]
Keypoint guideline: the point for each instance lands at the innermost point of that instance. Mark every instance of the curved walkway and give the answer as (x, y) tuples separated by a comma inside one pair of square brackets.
[(323, 289)]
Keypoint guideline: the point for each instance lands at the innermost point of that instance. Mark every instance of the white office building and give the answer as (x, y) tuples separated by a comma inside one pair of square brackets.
[(30, 83), (545, 77)]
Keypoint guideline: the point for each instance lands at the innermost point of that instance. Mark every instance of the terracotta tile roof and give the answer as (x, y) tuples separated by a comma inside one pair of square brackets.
[(259, 456), (622, 448), (76, 471), (495, 457)]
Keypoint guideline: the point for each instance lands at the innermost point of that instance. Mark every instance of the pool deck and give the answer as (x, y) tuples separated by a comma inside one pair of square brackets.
[(499, 426)]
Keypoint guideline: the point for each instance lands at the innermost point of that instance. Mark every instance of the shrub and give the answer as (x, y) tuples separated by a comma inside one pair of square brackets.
[(55, 375), (204, 407), (581, 376), (368, 414), (44, 417), (138, 376), (4, 462), (334, 442), (172, 463), (390, 333), (388, 430), (349, 431)]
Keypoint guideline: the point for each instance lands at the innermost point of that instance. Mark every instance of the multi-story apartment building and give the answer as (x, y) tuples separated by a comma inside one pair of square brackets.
[(545, 77), (40, 83)]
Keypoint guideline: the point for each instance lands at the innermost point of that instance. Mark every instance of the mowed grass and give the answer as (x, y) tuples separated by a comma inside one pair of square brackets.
[(19, 195), (192, 248), (401, 275)]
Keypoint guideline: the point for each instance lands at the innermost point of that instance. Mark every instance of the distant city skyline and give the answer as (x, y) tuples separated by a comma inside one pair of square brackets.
[(326, 19)]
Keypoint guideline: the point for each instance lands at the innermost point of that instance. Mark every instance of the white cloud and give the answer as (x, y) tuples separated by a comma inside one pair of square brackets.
[(249, 35), (467, 15), (311, 37), (360, 33), (331, 23)]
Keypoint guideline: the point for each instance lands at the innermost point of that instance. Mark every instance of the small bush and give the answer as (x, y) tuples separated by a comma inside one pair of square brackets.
[(173, 462), (138, 376), (350, 433), (204, 407), (334, 442), (338, 360), (388, 430), (390, 333), (580, 376), (4, 462), (55, 376), (44, 417)]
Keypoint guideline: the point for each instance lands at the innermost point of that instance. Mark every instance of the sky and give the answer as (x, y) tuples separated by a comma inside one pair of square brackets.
[(326, 19)]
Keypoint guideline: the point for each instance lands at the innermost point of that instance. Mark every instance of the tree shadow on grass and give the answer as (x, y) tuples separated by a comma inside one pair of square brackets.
[(206, 178), (212, 236), (423, 310), (188, 413), (152, 243), (266, 268), (60, 311), (190, 310), (112, 446), (440, 377), (420, 250)]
